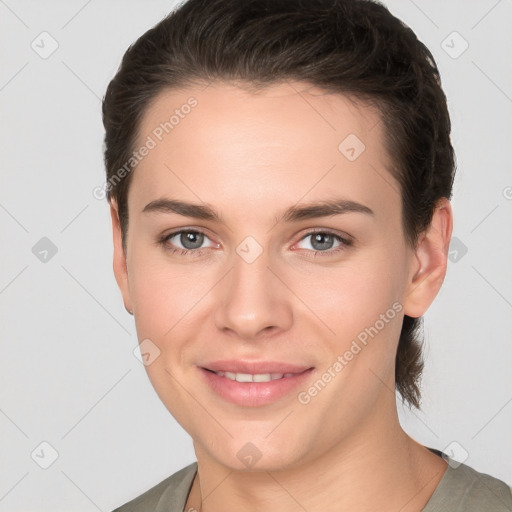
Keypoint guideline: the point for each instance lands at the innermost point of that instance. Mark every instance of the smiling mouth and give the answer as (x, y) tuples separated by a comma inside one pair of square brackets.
[(254, 384), (253, 377)]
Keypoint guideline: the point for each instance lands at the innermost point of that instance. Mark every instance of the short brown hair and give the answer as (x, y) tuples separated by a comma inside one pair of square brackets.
[(353, 47)]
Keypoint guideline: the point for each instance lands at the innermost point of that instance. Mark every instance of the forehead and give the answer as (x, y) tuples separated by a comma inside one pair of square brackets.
[(278, 143)]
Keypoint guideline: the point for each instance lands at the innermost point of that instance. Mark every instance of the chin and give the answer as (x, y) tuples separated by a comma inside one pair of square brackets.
[(258, 455)]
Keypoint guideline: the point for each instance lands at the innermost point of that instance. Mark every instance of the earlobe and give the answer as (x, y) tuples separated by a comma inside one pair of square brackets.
[(430, 261), (119, 263)]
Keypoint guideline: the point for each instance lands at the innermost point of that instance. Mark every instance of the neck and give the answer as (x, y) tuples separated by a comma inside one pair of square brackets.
[(379, 468)]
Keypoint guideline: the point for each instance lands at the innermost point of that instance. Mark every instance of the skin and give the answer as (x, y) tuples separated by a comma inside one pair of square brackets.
[(250, 155)]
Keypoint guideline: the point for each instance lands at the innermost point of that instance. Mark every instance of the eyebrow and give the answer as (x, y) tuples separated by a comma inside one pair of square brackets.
[(295, 213)]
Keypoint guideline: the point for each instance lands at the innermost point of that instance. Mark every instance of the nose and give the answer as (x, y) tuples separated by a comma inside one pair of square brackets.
[(254, 302)]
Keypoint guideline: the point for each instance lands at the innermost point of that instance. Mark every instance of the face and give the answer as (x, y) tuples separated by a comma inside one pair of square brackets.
[(265, 244)]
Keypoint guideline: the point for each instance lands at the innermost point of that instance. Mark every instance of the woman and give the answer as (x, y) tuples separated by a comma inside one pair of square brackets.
[(279, 176)]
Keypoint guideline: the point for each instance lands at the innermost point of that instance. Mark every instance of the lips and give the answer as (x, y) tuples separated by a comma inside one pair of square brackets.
[(254, 383)]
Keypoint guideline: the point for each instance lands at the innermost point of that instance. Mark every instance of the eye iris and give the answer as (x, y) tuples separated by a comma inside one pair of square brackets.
[(193, 238), (321, 239)]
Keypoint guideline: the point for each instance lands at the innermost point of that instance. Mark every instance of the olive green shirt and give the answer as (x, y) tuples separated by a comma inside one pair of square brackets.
[(461, 489)]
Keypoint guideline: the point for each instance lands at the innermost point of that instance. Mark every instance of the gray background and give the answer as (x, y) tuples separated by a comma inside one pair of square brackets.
[(68, 375)]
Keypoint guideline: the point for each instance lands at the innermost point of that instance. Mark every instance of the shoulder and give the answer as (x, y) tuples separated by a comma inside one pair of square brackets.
[(169, 495), (462, 488)]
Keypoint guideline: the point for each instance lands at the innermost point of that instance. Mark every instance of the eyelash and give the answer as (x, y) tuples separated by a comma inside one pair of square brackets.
[(345, 243)]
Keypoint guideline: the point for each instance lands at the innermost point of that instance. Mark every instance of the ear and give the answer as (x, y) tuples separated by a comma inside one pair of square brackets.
[(430, 261), (120, 267)]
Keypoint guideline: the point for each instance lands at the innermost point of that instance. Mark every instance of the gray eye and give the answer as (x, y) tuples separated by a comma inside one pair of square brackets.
[(321, 241), (191, 239)]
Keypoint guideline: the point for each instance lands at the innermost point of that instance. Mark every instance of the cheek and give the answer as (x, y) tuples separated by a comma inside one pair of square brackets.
[(352, 296), (169, 300), (166, 299), (361, 305)]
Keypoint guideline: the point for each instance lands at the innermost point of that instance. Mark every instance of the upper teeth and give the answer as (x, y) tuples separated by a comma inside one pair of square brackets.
[(257, 377)]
